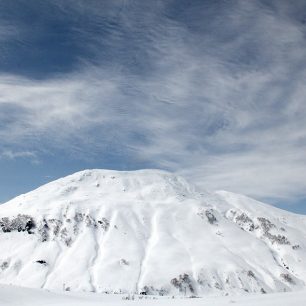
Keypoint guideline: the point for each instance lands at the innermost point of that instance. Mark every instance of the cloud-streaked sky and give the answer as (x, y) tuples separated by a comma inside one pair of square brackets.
[(212, 90)]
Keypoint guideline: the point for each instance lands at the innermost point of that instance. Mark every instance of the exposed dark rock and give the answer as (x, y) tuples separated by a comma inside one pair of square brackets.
[(90, 221), (146, 290), (5, 224), (79, 217), (43, 230), (279, 239), (64, 235), (150, 290), (263, 291), (21, 223), (55, 224), (251, 274), (162, 291), (286, 277), (210, 216), (218, 286), (104, 223), (30, 225), (42, 262), (123, 262), (266, 224), (4, 265), (183, 283), (245, 222)]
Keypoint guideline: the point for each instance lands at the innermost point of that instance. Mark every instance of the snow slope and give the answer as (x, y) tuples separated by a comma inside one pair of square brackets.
[(148, 231), (16, 296)]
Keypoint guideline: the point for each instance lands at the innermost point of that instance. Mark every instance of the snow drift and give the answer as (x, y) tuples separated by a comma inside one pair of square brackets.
[(148, 232)]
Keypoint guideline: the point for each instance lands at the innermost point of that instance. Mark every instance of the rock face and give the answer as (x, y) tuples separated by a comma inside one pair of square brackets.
[(149, 232)]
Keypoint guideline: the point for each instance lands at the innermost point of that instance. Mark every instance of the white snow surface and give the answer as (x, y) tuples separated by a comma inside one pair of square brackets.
[(17, 296), (149, 232)]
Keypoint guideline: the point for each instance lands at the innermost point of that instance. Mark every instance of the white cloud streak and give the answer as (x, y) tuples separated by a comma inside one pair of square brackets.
[(11, 155), (226, 109)]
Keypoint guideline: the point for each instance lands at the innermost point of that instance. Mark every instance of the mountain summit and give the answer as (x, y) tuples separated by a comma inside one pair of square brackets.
[(149, 232)]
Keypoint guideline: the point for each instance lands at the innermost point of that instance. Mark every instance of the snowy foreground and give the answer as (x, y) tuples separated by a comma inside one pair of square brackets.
[(148, 232), (16, 296)]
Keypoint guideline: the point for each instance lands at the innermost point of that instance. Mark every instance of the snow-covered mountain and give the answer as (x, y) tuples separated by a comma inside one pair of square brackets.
[(149, 232)]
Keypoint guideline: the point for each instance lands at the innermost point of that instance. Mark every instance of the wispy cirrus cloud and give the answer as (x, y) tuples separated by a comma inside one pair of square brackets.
[(11, 155), (211, 91)]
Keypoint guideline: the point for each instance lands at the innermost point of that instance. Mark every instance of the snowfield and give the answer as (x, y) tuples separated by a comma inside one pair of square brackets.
[(147, 232), (16, 296)]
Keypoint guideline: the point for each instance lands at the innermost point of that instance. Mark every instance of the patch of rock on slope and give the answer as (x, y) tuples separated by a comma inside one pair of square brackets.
[(149, 232)]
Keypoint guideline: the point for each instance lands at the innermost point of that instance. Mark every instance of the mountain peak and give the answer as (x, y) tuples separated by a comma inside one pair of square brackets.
[(89, 189)]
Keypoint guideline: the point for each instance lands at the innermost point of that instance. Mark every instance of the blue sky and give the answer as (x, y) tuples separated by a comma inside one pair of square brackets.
[(212, 90)]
